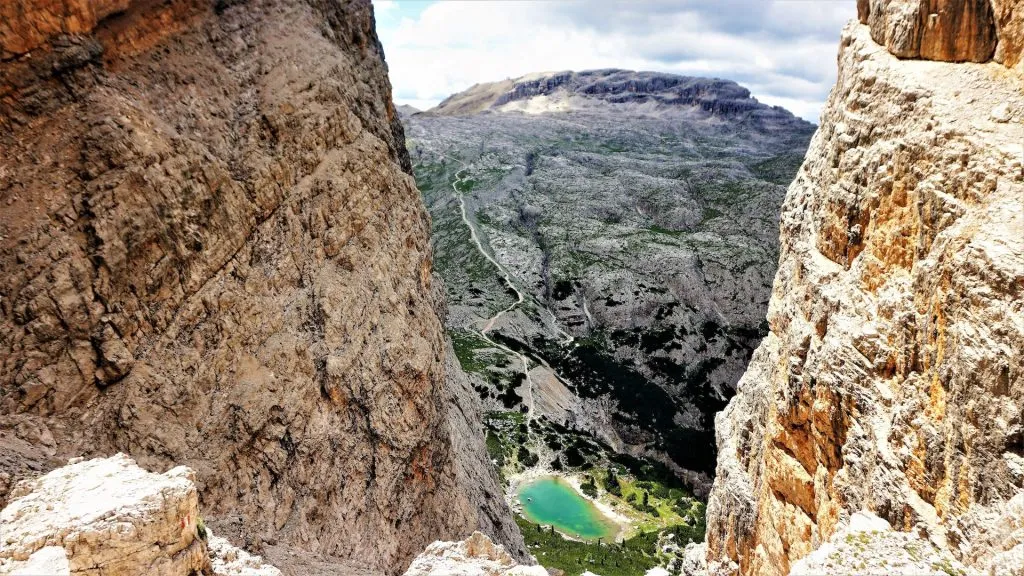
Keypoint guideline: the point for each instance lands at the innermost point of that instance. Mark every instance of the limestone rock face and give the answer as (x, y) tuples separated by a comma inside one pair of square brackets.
[(474, 556), (870, 546), (213, 254), (1010, 28), (947, 30), (25, 26), (105, 516), (226, 560), (893, 376), (108, 516)]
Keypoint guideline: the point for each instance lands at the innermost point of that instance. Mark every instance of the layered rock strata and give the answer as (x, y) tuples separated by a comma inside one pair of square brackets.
[(893, 376), (947, 30), (213, 254)]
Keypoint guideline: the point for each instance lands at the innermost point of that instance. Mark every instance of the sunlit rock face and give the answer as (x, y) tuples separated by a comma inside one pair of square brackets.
[(947, 30), (109, 516), (474, 556), (637, 212), (892, 378)]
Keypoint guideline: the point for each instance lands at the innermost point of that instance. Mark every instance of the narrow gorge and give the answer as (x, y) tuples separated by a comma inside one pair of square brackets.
[(256, 320)]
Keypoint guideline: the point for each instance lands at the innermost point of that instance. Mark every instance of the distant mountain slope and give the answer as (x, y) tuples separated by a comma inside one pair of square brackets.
[(636, 213), (711, 95)]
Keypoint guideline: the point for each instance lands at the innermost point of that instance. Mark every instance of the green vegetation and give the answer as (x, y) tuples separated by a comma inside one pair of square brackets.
[(629, 558), (710, 214), (507, 436), (611, 483), (947, 567), (659, 230), (467, 346), (778, 169), (588, 486), (495, 450), (466, 185)]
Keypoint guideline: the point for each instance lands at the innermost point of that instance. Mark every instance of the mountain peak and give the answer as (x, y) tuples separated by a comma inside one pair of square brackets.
[(569, 90)]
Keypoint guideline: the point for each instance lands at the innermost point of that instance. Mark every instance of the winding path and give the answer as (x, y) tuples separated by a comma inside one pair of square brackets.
[(520, 297), (508, 280)]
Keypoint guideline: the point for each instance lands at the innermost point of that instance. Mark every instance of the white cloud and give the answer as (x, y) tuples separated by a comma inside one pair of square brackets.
[(783, 50)]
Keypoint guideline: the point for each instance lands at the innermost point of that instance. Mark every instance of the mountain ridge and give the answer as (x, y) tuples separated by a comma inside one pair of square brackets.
[(612, 85)]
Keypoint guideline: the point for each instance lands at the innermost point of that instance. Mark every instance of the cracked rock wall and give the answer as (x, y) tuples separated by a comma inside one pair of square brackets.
[(892, 379), (213, 255)]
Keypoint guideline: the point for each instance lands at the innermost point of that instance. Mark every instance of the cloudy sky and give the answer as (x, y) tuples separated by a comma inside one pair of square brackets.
[(784, 51)]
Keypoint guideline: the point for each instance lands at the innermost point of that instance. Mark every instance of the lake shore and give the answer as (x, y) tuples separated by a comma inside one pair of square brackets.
[(518, 481)]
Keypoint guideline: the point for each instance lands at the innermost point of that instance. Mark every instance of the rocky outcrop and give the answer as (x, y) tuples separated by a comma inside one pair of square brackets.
[(213, 254), (475, 556), (893, 376), (947, 30), (226, 560), (870, 546), (108, 516)]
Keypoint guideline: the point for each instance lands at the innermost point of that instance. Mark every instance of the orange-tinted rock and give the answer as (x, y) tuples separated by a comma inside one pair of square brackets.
[(1010, 28), (947, 30), (27, 25), (893, 375)]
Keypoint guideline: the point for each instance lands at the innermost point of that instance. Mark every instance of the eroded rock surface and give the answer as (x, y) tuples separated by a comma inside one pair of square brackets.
[(474, 556), (893, 376), (868, 545), (947, 30), (213, 254), (109, 516)]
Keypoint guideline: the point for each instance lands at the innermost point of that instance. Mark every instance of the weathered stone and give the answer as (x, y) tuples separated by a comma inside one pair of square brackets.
[(1010, 29), (868, 545), (948, 30), (893, 375), (226, 560), (213, 255), (108, 516), (475, 556), (105, 516)]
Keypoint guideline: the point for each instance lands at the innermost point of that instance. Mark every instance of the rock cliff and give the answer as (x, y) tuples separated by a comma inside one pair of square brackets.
[(710, 95), (892, 378), (213, 254)]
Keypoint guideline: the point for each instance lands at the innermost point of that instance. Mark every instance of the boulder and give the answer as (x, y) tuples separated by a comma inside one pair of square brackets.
[(108, 516), (474, 556)]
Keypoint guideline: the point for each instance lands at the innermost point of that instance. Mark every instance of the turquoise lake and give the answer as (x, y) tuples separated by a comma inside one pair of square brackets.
[(551, 500)]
